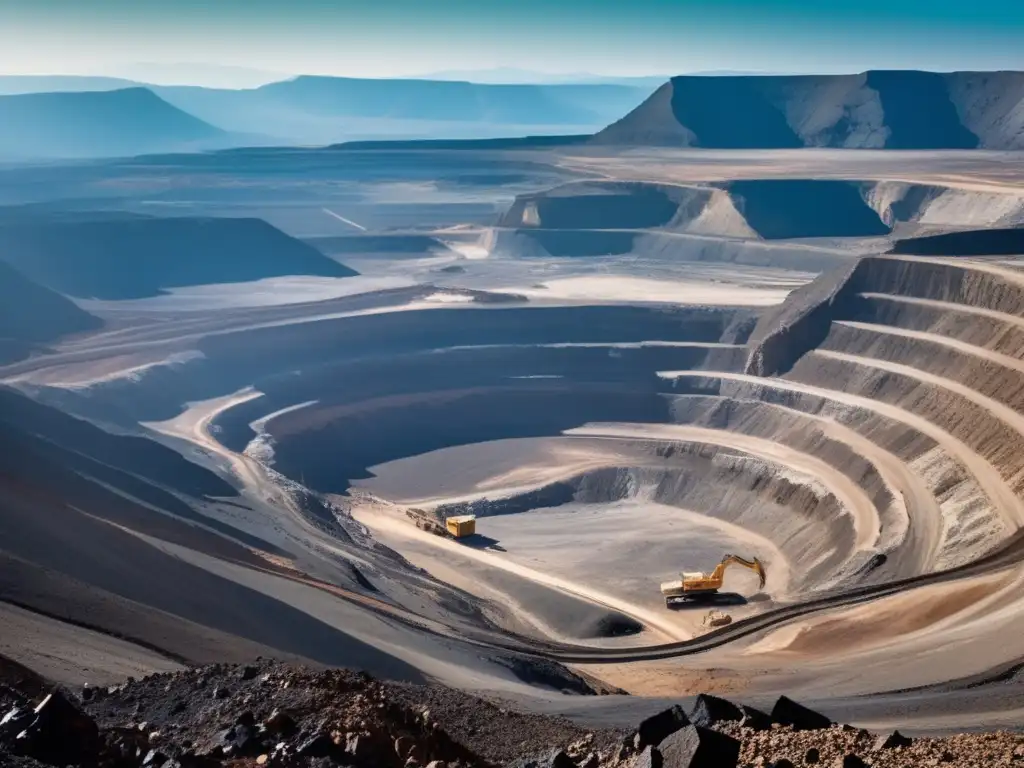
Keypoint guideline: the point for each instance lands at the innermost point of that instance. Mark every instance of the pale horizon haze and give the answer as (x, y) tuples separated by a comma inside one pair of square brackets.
[(238, 43)]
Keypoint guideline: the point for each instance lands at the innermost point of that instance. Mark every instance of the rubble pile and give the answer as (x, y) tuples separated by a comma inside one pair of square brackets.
[(273, 715)]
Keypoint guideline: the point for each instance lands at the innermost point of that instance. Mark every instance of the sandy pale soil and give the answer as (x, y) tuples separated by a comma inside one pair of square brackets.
[(632, 289), (616, 554), (496, 467), (855, 502), (71, 655)]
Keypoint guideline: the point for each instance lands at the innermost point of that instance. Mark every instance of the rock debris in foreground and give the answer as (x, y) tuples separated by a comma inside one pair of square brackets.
[(273, 715)]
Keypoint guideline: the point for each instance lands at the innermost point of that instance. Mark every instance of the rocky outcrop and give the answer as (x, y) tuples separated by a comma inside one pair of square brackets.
[(279, 716)]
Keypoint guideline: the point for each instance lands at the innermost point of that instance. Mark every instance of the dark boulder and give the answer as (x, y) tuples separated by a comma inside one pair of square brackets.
[(319, 745), (649, 758), (280, 723), (755, 719), (696, 747), (783, 762), (248, 672), (59, 733), (850, 761), (241, 740), (656, 728), (155, 759), (556, 758), (788, 712), (15, 721), (892, 740), (708, 710), (812, 756)]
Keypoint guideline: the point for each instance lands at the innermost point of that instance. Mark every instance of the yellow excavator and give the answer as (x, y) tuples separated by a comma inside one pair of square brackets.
[(696, 585)]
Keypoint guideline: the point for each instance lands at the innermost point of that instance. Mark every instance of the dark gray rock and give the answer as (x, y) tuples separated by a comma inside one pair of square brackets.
[(155, 759), (316, 746), (59, 733), (892, 740), (850, 761), (755, 719), (788, 712), (15, 721), (556, 758), (708, 710), (656, 728), (280, 724), (812, 756), (248, 673), (783, 762), (649, 758), (696, 747)]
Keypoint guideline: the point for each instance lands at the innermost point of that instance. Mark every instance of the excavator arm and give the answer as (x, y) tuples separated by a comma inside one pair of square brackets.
[(755, 565), (700, 583)]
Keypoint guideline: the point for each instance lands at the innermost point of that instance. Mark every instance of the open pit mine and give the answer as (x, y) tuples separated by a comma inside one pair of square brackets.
[(588, 429)]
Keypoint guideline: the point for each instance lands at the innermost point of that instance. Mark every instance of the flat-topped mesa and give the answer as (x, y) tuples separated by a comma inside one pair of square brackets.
[(871, 110)]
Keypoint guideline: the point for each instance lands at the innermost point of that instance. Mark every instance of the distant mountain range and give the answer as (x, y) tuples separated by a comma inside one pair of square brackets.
[(132, 121), (14, 85), (101, 117), (872, 110), (323, 110), (92, 117)]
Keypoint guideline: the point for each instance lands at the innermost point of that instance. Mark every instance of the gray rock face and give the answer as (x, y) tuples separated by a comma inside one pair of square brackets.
[(649, 758), (788, 712), (656, 728), (892, 740), (696, 747), (708, 710)]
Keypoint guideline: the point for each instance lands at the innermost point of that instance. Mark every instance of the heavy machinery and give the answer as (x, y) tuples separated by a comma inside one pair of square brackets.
[(461, 526), (697, 585)]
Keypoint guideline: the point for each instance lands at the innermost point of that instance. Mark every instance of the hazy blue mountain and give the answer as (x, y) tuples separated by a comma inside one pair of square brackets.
[(206, 75), (325, 110), (103, 123), (125, 258), (514, 75), (11, 85)]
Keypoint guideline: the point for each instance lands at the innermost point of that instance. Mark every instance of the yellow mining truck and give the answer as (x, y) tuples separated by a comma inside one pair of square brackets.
[(460, 526), (695, 585)]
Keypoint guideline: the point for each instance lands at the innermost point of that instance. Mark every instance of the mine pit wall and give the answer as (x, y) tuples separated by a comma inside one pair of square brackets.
[(290, 365), (806, 523), (802, 322), (786, 342), (803, 433)]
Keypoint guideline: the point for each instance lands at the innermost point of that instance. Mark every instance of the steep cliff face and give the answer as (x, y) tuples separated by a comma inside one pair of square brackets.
[(797, 326), (768, 209), (871, 110)]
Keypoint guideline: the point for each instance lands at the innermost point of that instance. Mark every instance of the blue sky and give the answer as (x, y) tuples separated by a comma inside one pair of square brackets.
[(406, 37)]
